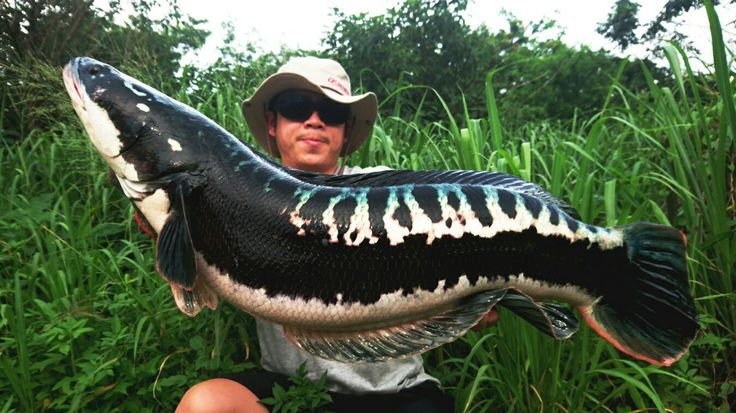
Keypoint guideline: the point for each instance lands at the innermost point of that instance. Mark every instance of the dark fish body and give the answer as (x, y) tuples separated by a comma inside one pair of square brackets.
[(372, 266)]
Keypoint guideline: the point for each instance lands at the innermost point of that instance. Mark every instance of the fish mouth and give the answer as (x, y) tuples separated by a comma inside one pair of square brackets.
[(100, 129), (70, 74)]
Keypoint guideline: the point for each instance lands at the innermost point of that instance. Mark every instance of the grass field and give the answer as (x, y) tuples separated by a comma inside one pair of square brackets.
[(88, 325)]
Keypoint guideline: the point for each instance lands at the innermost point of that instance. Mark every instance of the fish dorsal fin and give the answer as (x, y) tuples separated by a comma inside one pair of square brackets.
[(399, 340), (174, 249), (395, 177), (553, 319)]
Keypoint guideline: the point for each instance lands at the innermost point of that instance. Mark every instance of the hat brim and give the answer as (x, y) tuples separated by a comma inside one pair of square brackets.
[(363, 108)]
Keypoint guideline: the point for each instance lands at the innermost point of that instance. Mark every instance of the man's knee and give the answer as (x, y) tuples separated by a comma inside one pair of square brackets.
[(219, 396)]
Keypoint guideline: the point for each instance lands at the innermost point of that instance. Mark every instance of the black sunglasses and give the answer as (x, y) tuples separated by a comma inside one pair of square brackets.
[(299, 108)]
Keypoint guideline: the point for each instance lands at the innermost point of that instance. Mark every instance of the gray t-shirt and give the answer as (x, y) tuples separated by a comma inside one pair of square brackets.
[(279, 355)]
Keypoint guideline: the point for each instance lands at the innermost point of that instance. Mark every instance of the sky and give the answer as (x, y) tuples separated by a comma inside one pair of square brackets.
[(302, 24)]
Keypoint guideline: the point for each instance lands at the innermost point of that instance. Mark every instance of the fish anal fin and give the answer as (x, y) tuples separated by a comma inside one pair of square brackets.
[(174, 249), (552, 319), (399, 340)]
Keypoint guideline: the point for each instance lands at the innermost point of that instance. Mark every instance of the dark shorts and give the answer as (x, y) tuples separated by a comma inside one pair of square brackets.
[(423, 398)]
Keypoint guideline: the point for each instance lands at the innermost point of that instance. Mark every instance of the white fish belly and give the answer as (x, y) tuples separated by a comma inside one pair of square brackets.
[(392, 307)]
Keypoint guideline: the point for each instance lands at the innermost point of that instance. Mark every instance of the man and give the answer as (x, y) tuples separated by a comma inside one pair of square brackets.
[(306, 116)]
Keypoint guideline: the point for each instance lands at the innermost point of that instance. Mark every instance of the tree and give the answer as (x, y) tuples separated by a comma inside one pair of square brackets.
[(427, 42), (421, 42), (622, 22), (38, 36)]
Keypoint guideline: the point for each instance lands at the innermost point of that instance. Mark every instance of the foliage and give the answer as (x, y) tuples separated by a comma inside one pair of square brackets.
[(419, 42), (88, 325), (303, 396), (46, 33), (206, 89), (622, 22), (426, 42)]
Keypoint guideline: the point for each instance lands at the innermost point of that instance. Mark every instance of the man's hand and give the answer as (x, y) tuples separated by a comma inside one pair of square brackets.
[(490, 318)]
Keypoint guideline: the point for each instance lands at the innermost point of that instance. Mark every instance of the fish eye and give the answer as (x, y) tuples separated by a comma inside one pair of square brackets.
[(95, 69)]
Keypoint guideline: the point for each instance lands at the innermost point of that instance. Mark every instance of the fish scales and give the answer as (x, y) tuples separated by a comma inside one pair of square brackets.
[(428, 201), (381, 266), (373, 266), (311, 205)]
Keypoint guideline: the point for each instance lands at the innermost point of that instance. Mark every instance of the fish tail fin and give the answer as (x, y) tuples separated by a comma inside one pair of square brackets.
[(651, 316)]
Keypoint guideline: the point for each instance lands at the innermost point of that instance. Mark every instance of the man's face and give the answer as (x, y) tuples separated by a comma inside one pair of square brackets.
[(311, 145)]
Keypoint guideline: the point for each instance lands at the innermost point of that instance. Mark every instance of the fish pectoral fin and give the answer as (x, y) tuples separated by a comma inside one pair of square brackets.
[(553, 319), (191, 302), (400, 340), (174, 249)]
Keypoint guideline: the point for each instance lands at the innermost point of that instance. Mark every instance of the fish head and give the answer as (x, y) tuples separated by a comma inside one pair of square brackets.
[(144, 135)]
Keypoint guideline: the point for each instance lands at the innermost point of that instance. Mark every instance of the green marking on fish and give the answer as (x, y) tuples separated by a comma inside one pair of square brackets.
[(420, 221), (304, 194), (239, 165), (267, 185), (328, 216), (360, 223), (394, 230)]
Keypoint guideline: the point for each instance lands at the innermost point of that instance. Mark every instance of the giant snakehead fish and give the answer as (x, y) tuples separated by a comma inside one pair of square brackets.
[(374, 266)]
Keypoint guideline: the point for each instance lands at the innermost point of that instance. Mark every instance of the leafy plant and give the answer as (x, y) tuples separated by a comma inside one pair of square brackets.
[(88, 325), (303, 395)]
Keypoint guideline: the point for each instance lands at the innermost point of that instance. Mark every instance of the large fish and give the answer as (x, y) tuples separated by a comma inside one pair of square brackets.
[(380, 265)]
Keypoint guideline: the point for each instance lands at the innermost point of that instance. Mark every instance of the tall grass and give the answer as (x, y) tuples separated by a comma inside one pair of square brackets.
[(88, 325), (666, 156)]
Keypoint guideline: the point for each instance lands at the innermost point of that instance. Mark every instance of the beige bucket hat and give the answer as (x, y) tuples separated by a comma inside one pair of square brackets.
[(324, 76)]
